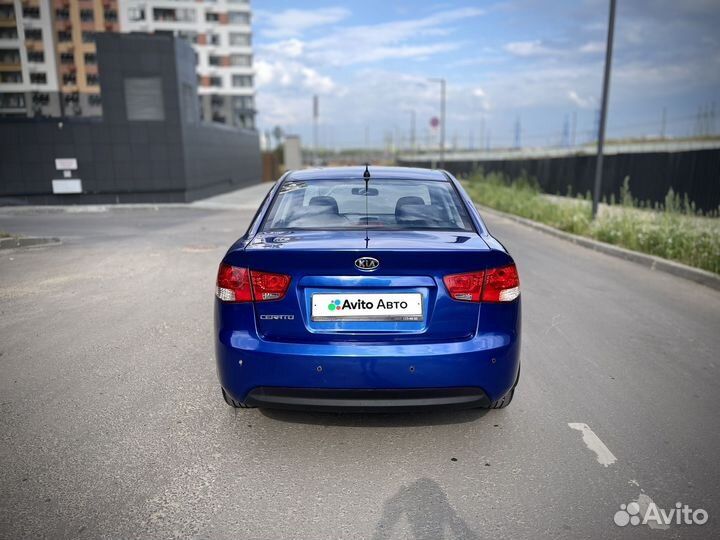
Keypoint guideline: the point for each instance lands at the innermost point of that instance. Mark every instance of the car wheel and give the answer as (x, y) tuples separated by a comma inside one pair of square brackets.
[(230, 401)]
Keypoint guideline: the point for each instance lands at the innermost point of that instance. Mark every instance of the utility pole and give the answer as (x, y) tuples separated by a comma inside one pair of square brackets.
[(412, 129), (603, 110), (664, 123), (482, 133), (442, 120), (316, 114)]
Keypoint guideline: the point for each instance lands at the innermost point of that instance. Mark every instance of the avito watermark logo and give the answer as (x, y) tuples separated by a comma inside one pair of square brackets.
[(682, 514)]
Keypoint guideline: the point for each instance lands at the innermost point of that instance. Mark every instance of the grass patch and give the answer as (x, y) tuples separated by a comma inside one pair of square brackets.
[(674, 230)]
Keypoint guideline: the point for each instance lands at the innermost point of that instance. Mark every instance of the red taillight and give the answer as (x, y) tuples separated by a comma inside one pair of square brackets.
[(465, 286), (501, 284), (267, 286), (493, 285), (233, 284), (242, 285)]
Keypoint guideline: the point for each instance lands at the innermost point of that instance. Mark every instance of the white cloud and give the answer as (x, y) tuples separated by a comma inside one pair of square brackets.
[(482, 97), (405, 39), (593, 47), (291, 48), (291, 74), (293, 22), (527, 48), (582, 102)]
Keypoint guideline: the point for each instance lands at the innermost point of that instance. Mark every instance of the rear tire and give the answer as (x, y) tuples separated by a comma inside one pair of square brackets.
[(230, 401)]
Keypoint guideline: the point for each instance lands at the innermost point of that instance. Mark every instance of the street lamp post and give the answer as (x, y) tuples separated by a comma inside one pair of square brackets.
[(442, 120), (603, 111), (412, 128)]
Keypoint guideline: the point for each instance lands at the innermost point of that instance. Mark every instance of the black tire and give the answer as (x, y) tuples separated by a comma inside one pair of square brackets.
[(230, 401), (507, 398)]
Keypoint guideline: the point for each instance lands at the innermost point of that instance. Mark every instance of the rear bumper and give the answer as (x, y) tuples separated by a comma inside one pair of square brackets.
[(320, 399), (488, 364)]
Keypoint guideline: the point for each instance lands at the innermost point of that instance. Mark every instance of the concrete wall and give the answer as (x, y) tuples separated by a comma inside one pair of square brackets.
[(120, 160)]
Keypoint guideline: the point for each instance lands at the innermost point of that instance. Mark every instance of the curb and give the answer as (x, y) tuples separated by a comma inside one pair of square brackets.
[(649, 261), (26, 241)]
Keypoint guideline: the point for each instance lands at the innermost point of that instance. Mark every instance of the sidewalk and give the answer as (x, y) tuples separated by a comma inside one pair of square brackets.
[(247, 198)]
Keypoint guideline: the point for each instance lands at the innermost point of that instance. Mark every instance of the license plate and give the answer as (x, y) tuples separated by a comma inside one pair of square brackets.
[(367, 307)]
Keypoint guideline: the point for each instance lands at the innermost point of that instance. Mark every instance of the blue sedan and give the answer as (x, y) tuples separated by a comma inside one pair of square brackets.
[(367, 288)]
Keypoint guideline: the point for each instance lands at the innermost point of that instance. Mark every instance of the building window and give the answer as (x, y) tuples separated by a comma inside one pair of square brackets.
[(136, 14), (241, 60), (212, 17), (11, 77), (87, 15), (164, 14), (33, 34), (31, 12), (111, 15), (40, 99), (12, 101), (8, 33), (69, 78), (214, 39), (92, 79), (244, 102), (36, 56), (95, 100), (88, 37), (215, 60), (239, 17), (62, 14), (238, 39), (144, 99), (38, 78), (91, 58), (242, 81), (67, 58), (185, 15), (64, 36), (215, 81), (7, 12), (9, 56)]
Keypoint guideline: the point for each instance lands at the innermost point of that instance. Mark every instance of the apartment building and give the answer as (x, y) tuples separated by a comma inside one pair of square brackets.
[(75, 24), (220, 31), (28, 74)]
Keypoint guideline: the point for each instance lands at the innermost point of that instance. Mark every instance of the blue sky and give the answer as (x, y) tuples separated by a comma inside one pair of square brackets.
[(536, 62)]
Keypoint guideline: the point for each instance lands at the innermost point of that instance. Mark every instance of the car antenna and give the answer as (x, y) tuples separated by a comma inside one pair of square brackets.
[(366, 176)]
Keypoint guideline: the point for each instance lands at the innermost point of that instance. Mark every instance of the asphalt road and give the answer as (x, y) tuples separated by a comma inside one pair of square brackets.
[(112, 424)]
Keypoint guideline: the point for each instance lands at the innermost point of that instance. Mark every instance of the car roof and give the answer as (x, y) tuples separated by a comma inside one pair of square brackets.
[(347, 173)]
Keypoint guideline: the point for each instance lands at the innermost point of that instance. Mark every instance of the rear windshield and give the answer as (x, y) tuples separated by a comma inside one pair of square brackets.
[(387, 204)]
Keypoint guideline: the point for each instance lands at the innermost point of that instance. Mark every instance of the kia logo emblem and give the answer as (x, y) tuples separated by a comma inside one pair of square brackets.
[(366, 264)]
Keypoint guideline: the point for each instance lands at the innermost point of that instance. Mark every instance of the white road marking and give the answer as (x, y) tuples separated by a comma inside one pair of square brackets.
[(644, 501), (604, 456)]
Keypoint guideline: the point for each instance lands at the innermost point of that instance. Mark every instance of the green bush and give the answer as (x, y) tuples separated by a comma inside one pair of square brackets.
[(675, 230)]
